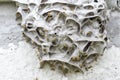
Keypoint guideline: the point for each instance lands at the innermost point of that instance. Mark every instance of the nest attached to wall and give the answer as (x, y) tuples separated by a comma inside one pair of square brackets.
[(69, 35)]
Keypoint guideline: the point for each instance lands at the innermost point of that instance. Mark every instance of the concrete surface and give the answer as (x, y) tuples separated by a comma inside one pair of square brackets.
[(9, 30), (5, 0), (113, 28), (18, 59)]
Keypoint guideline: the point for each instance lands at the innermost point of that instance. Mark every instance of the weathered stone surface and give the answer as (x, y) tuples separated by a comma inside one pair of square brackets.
[(113, 29), (9, 30), (5, 0)]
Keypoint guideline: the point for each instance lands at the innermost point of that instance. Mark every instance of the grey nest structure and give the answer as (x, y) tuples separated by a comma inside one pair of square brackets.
[(69, 34)]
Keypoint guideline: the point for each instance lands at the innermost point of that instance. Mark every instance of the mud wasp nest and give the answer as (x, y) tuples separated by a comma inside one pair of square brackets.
[(69, 34)]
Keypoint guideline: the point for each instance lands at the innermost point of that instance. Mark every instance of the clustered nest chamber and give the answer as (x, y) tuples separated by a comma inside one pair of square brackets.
[(69, 34)]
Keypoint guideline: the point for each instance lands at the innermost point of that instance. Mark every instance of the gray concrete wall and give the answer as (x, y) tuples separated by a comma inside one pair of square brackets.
[(9, 30), (18, 59), (5, 0)]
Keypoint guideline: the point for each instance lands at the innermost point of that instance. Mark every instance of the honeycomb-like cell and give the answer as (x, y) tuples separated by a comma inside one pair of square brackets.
[(69, 34)]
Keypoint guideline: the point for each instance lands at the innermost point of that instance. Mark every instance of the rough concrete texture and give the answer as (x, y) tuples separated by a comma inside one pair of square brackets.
[(113, 28), (18, 59), (5, 0), (9, 30)]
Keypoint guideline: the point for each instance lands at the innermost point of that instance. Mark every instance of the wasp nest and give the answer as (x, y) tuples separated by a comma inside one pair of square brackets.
[(69, 34)]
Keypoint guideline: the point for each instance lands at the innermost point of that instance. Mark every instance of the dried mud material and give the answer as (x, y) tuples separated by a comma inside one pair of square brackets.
[(69, 34)]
